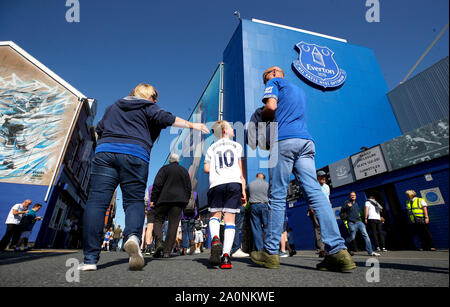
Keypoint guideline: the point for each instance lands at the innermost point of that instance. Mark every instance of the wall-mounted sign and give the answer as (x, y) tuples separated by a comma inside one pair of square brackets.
[(316, 64), (368, 163), (433, 196), (341, 173)]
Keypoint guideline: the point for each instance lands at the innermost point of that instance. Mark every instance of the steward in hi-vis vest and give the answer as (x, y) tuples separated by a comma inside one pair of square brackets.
[(415, 210)]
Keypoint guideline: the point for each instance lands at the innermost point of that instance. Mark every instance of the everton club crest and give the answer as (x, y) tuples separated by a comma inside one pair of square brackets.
[(316, 64)]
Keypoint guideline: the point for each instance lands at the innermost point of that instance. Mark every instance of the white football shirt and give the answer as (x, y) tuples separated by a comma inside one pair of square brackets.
[(223, 157)]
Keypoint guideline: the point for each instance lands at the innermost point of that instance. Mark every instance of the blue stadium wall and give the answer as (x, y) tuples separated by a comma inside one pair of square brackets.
[(12, 193), (341, 120)]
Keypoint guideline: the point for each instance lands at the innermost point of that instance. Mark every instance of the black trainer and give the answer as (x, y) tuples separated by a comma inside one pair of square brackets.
[(216, 251), (225, 262)]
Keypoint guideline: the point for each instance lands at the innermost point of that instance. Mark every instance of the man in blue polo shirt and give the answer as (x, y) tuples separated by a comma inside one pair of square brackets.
[(294, 153)]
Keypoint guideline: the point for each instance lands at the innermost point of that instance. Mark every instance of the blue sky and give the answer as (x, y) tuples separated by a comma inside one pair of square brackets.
[(176, 45)]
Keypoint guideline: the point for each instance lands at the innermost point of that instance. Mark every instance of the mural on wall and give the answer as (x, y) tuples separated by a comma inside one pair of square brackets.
[(30, 117), (191, 145), (417, 146), (35, 115)]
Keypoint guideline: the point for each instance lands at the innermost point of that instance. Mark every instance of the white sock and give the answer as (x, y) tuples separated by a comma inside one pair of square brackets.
[(230, 230), (214, 227)]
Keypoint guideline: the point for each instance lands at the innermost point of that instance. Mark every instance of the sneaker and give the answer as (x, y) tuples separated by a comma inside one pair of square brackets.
[(225, 262), (197, 251), (87, 267), (239, 254), (132, 248), (148, 250), (384, 250), (339, 262), (216, 251), (374, 254), (159, 251), (378, 249), (283, 254), (265, 259)]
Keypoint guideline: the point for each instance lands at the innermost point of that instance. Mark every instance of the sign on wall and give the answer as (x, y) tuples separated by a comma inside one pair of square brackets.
[(341, 173), (433, 196), (368, 163), (317, 65)]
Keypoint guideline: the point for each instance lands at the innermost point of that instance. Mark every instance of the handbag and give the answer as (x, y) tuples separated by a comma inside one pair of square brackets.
[(190, 207)]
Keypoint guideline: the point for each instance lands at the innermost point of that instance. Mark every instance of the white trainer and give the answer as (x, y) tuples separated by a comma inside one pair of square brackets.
[(132, 248), (375, 254), (87, 267), (240, 254)]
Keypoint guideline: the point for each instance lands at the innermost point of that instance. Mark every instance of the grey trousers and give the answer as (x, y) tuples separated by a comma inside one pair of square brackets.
[(316, 225)]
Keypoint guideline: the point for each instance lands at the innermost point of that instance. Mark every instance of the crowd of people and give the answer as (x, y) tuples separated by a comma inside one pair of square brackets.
[(126, 135)]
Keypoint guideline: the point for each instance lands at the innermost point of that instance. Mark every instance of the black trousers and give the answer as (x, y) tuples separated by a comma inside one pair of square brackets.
[(12, 231), (376, 227), (172, 211), (424, 234)]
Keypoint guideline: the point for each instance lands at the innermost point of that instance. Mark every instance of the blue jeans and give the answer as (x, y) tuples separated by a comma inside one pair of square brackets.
[(108, 171), (239, 220), (353, 228), (297, 156), (259, 214), (186, 233)]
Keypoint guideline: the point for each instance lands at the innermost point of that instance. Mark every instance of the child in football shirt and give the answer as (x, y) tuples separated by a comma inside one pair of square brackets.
[(223, 162)]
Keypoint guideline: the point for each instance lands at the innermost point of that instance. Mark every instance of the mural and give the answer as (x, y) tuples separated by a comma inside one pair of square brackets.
[(35, 115), (191, 145), (30, 117)]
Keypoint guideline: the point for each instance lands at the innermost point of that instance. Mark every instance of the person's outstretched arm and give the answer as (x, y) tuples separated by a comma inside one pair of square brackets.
[(181, 123)]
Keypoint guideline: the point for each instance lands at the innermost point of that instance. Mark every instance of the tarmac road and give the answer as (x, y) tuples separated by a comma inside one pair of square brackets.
[(45, 268)]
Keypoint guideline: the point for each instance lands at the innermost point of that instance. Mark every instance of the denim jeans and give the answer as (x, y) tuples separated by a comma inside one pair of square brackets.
[(297, 156), (186, 233), (353, 228), (239, 220), (108, 171), (259, 214)]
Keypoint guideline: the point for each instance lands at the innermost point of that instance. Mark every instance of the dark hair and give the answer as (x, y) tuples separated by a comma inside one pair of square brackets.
[(37, 205)]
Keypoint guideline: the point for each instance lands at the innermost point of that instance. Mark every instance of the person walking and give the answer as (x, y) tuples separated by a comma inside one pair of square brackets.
[(26, 225), (13, 229), (258, 196), (226, 194), (322, 179), (170, 194), (372, 217), (355, 224), (149, 247), (126, 135), (419, 218), (117, 236), (293, 152)]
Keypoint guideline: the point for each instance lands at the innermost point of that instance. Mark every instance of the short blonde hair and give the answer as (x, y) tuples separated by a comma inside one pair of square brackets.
[(411, 193), (218, 128), (145, 91)]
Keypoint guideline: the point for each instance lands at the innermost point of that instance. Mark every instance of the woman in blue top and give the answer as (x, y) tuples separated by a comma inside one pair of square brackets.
[(126, 135)]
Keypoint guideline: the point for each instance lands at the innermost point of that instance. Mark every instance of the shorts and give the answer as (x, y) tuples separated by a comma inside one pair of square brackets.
[(225, 198), (151, 216), (198, 236)]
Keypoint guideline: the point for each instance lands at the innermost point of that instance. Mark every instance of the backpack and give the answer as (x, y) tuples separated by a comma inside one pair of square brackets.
[(189, 210), (198, 225), (343, 214), (262, 139)]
